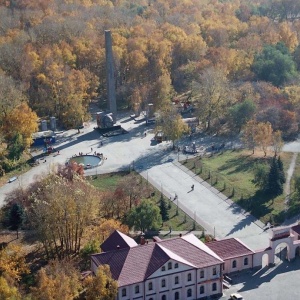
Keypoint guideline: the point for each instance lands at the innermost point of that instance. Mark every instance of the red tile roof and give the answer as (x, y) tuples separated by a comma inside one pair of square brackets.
[(296, 228), (135, 264), (118, 240), (229, 248)]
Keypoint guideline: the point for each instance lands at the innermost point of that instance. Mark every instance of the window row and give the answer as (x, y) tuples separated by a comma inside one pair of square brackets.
[(188, 293), (170, 266), (246, 262), (214, 272)]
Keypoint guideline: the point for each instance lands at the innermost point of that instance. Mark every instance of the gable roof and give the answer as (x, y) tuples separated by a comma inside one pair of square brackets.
[(135, 264), (229, 248), (296, 228), (117, 240)]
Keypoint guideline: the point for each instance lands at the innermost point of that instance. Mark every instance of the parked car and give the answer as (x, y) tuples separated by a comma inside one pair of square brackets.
[(236, 296), (12, 179)]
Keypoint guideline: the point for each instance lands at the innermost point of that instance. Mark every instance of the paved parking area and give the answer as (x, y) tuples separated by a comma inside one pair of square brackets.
[(280, 282)]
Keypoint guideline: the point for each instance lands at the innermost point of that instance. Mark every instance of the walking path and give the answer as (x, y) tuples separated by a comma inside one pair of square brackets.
[(290, 172), (217, 214)]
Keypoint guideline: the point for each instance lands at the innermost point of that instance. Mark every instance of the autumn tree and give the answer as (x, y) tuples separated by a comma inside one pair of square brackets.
[(248, 135), (20, 120), (60, 210), (144, 217), (58, 280), (12, 263), (213, 96), (263, 136), (8, 291), (277, 142), (101, 286), (171, 123)]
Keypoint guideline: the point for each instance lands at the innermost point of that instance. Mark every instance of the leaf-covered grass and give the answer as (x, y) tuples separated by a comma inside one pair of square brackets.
[(294, 204), (178, 220), (232, 173)]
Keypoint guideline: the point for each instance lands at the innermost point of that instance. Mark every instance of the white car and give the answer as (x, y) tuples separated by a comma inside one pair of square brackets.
[(12, 179), (236, 296)]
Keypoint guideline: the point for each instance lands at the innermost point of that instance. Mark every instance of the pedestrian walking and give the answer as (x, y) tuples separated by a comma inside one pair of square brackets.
[(192, 187)]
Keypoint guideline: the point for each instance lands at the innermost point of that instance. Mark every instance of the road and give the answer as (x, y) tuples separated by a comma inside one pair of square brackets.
[(159, 165)]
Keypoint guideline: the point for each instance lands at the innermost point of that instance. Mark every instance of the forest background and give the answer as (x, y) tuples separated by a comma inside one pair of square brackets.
[(220, 53)]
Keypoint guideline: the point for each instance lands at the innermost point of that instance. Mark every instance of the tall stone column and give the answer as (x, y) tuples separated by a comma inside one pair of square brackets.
[(110, 76)]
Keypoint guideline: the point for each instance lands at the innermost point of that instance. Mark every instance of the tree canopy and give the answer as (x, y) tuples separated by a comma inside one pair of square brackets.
[(275, 64), (145, 216)]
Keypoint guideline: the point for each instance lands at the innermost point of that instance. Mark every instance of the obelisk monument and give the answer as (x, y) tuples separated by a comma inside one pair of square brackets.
[(110, 76)]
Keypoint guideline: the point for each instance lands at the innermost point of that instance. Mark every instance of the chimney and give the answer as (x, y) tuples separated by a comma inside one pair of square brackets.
[(118, 247)]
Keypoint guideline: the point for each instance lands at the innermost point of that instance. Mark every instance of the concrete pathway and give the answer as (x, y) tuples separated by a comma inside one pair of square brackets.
[(290, 172), (159, 164)]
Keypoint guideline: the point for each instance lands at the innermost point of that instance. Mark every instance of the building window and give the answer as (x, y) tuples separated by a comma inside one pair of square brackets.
[(214, 286), (214, 271), (246, 261), (151, 299), (189, 293), (189, 277), (163, 283), (123, 292), (176, 296), (234, 264), (163, 297), (163, 268), (150, 286), (169, 266), (137, 289), (202, 289), (176, 280), (176, 266), (202, 274)]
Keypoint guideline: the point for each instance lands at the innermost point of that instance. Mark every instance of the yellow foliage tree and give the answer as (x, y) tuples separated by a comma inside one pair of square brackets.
[(21, 120), (102, 286), (8, 291), (12, 263), (59, 280)]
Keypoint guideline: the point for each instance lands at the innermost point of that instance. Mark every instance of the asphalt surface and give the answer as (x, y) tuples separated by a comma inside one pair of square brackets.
[(157, 163)]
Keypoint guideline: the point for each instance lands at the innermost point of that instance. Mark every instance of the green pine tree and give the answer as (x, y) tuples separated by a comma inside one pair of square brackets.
[(163, 209), (16, 217), (281, 170), (275, 185)]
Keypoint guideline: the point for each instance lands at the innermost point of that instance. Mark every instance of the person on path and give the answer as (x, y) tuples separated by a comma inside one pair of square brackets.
[(192, 187)]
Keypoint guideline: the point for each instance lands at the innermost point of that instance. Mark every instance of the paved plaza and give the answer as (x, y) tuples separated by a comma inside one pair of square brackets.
[(280, 282), (159, 164)]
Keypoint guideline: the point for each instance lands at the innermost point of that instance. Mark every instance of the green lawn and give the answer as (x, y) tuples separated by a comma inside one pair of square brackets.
[(231, 172), (294, 205), (178, 220)]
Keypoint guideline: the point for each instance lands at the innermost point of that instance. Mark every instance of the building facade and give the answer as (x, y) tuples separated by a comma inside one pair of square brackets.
[(176, 268)]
